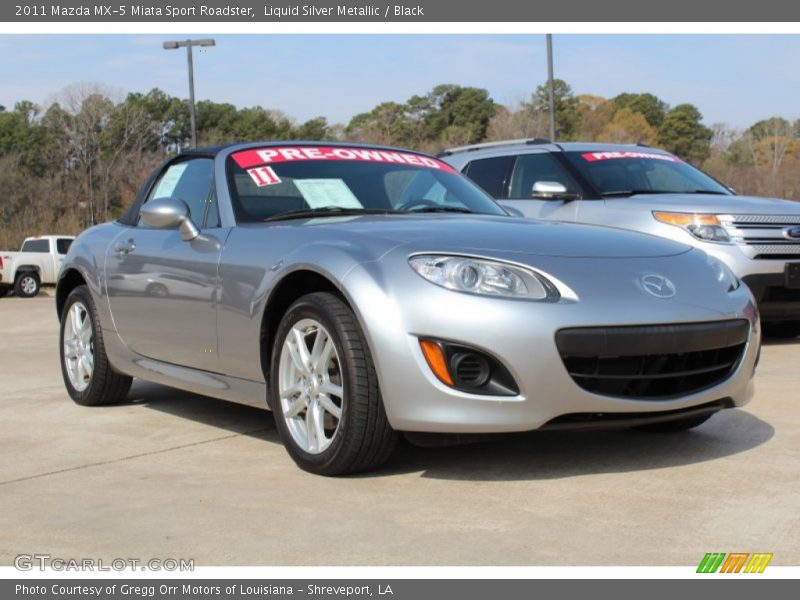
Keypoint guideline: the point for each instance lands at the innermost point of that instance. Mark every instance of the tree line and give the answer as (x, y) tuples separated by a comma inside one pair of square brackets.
[(81, 158)]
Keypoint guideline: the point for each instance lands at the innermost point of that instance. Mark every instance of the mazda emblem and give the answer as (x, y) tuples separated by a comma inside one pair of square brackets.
[(657, 285)]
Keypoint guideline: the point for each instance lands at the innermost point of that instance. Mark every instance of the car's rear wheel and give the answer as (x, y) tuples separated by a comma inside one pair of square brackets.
[(27, 284), (676, 425), (88, 376), (324, 390)]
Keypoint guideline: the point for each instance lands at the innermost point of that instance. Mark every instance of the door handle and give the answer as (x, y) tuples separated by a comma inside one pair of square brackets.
[(125, 248)]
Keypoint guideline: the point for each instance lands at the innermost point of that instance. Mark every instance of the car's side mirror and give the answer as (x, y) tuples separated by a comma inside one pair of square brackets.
[(552, 190), (169, 213)]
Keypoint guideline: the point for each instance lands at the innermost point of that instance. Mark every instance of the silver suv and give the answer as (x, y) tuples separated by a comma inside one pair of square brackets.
[(652, 191)]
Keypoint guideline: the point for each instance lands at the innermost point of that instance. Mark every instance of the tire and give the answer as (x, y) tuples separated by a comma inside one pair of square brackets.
[(157, 290), (27, 284), (341, 380), (4, 290), (676, 425), (782, 329), (93, 385)]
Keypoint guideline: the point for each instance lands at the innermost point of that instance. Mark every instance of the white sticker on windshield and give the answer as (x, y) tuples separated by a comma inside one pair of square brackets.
[(319, 193), (170, 180)]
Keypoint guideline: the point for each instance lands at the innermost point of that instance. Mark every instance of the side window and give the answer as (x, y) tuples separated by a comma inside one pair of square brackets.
[(40, 246), (531, 168), (62, 245), (491, 174), (189, 180)]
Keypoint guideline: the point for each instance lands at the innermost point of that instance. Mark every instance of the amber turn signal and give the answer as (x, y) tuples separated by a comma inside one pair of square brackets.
[(435, 357)]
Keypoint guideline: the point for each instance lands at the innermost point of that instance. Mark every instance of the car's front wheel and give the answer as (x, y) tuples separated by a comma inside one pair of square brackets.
[(324, 390), (27, 285), (88, 376)]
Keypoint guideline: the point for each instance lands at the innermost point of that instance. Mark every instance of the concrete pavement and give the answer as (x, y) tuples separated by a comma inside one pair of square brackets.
[(170, 474)]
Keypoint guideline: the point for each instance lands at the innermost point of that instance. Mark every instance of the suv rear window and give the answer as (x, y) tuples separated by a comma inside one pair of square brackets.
[(62, 245), (42, 246), (491, 174)]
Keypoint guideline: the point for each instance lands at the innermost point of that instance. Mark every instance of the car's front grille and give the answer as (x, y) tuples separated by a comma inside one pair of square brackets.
[(764, 234), (653, 361)]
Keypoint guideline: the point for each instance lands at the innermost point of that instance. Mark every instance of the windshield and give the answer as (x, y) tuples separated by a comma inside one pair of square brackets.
[(629, 173), (277, 182)]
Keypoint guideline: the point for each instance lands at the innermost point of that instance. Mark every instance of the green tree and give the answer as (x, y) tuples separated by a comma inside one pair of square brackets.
[(22, 134), (683, 134), (384, 124), (653, 108), (567, 113), (456, 112), (313, 129)]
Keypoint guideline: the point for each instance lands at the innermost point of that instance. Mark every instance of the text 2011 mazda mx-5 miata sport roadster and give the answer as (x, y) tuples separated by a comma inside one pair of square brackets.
[(361, 291)]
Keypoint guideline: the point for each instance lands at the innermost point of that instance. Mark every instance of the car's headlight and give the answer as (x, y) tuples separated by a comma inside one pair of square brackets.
[(483, 277), (702, 226), (723, 274)]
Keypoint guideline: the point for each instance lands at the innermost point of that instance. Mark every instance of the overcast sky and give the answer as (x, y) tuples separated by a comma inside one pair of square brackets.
[(736, 79)]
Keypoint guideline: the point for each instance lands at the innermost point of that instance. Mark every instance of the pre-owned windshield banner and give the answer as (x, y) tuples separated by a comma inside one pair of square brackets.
[(338, 11)]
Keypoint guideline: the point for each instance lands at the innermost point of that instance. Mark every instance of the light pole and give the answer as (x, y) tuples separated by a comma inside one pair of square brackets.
[(551, 87), (188, 45)]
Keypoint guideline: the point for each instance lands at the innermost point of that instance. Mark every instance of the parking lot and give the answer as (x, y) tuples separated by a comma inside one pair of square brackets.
[(170, 474)]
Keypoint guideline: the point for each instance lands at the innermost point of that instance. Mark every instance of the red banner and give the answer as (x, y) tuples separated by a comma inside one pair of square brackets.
[(283, 154), (597, 156)]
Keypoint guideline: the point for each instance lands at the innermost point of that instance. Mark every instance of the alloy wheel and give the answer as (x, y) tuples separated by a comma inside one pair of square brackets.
[(79, 346), (310, 386)]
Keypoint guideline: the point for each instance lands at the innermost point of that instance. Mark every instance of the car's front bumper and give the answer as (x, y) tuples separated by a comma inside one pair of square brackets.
[(521, 335)]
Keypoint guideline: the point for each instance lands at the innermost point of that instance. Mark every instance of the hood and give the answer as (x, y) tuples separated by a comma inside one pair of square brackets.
[(710, 203), (474, 233)]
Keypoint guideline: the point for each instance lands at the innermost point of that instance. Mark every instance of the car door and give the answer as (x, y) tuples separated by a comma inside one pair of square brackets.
[(534, 167), (510, 180), (161, 289)]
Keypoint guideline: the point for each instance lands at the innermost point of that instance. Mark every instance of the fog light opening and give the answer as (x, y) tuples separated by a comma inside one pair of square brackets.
[(470, 370)]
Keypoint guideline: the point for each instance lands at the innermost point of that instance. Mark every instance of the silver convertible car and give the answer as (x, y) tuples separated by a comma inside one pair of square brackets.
[(359, 292)]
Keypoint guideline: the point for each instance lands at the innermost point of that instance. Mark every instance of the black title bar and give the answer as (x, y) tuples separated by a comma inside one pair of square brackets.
[(341, 11)]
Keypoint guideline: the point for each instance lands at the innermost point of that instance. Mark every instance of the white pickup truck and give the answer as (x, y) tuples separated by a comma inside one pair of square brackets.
[(37, 263)]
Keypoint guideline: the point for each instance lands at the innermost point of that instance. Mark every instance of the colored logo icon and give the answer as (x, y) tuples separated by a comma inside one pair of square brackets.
[(735, 562)]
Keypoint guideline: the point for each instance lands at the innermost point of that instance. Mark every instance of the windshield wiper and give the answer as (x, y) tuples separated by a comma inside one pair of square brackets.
[(440, 209), (327, 211), (615, 193)]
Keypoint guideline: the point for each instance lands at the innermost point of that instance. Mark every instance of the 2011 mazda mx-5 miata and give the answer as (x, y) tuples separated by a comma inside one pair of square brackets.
[(360, 292)]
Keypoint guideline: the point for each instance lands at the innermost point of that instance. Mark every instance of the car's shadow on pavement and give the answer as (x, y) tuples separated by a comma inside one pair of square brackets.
[(777, 341), (230, 416), (525, 456), (556, 455)]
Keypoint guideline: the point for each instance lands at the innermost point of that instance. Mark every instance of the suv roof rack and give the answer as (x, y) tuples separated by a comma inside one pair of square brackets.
[(474, 147)]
